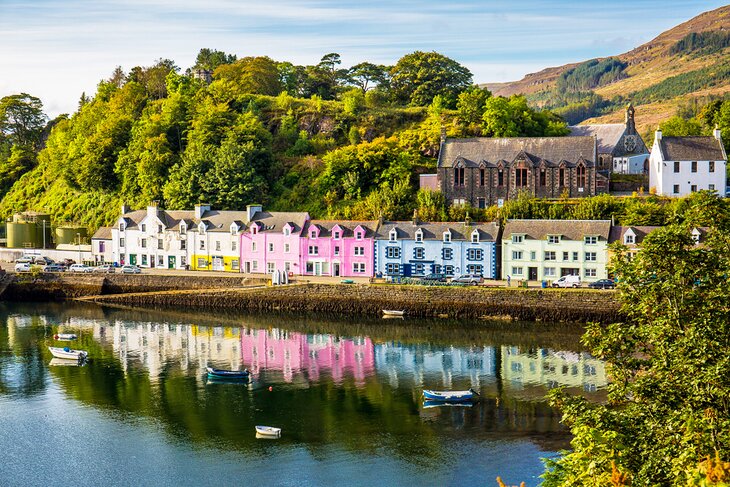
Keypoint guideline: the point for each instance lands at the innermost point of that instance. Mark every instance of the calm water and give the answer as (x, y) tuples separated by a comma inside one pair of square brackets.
[(345, 393)]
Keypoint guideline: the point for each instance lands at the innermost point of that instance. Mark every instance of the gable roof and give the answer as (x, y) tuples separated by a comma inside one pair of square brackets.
[(274, 221), (607, 135), (435, 230), (103, 233), (490, 151), (569, 229), (618, 232), (348, 227), (691, 149)]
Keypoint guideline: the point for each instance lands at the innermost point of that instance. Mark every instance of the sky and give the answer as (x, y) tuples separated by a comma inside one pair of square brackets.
[(57, 49)]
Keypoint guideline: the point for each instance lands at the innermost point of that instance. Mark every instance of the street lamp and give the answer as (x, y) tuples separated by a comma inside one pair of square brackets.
[(78, 235)]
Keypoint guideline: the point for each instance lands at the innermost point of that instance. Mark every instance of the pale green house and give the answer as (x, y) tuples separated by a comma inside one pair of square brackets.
[(537, 250)]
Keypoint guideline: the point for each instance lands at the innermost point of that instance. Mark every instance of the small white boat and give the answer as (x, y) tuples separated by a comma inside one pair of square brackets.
[(65, 336), (68, 353), (268, 431), (393, 312), (449, 396)]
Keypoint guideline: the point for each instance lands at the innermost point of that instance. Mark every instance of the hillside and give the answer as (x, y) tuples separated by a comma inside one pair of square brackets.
[(689, 61)]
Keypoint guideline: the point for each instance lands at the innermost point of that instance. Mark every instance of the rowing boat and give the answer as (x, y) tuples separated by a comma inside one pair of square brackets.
[(227, 374), (393, 312), (268, 431), (68, 353), (448, 396), (65, 336)]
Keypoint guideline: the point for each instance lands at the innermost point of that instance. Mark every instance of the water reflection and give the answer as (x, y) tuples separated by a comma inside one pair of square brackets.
[(354, 384)]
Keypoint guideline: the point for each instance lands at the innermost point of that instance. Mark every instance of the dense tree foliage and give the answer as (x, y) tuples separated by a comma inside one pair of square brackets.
[(420, 76)]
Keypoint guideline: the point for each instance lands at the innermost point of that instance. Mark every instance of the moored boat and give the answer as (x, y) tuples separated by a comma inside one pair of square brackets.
[(228, 374), (449, 396), (68, 353), (268, 431), (65, 336), (393, 312)]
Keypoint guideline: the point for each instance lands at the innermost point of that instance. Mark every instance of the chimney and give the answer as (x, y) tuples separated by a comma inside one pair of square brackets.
[(415, 217), (152, 210), (200, 210), (125, 209), (467, 219), (717, 133), (658, 135), (251, 210)]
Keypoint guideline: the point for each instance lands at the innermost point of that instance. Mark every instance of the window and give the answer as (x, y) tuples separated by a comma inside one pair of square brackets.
[(561, 176), (159, 228), (448, 270), (481, 203), (183, 261), (447, 254), (393, 235), (233, 229), (144, 227), (482, 173), (533, 255), (233, 245), (549, 272), (520, 177), (694, 166), (359, 251), (543, 179), (475, 269), (550, 255), (711, 187), (235, 264), (553, 239), (517, 271), (517, 238), (590, 256), (183, 245), (419, 236), (287, 231), (310, 268), (459, 176), (500, 178), (693, 188), (217, 245), (202, 262), (121, 227), (580, 173), (202, 245), (286, 248), (628, 239), (253, 246), (358, 267), (676, 189), (336, 235), (696, 237), (474, 254), (144, 243), (419, 268), (160, 261), (475, 237), (313, 234), (337, 250), (676, 166), (160, 244), (591, 240), (575, 255), (447, 237), (254, 229), (566, 256), (358, 235), (121, 242), (712, 166), (590, 273), (392, 269), (287, 266), (516, 255), (392, 252), (313, 250), (144, 259), (255, 265), (419, 253), (271, 247), (270, 267)]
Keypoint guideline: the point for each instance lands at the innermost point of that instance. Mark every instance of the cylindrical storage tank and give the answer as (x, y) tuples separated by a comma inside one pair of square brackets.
[(22, 235), (68, 235)]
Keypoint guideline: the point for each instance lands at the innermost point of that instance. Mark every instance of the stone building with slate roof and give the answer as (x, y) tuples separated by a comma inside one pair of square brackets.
[(416, 248), (683, 165), (537, 250), (486, 171), (620, 147)]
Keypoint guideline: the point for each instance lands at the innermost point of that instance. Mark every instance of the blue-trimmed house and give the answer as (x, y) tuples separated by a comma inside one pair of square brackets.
[(415, 248)]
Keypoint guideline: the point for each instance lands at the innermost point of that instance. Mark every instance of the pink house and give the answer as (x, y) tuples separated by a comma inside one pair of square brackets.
[(271, 241), (293, 354), (338, 248)]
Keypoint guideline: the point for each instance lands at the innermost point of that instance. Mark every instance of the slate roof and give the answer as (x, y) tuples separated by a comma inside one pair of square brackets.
[(274, 221), (132, 218), (568, 229), (435, 230), (326, 226), (214, 220), (103, 233), (618, 232), (220, 221), (691, 149), (607, 135), (491, 151)]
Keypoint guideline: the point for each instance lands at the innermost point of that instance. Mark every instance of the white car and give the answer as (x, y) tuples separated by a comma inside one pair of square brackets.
[(26, 259), (568, 281), (80, 268), (130, 269), (468, 279), (22, 267)]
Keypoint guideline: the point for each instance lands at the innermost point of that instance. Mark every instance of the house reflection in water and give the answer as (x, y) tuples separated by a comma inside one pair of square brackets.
[(293, 354)]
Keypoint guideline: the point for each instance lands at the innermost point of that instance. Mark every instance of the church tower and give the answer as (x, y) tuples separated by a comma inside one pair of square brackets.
[(630, 125)]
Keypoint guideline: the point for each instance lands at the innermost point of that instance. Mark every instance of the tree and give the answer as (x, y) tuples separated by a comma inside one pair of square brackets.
[(22, 119), (418, 77), (210, 59), (669, 398), (471, 105), (250, 75), (680, 127), (366, 75), (512, 117)]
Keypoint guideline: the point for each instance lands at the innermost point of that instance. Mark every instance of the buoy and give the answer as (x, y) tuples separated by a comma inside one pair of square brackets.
[(271, 388)]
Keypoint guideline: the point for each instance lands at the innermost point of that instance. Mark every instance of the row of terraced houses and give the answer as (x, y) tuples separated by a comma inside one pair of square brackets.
[(255, 241)]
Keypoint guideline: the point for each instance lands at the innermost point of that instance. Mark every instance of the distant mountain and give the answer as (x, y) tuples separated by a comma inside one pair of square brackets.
[(686, 63)]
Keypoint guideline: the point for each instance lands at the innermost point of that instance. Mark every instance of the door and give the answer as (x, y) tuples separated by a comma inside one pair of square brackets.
[(133, 259), (532, 273), (247, 267), (317, 268), (217, 263), (336, 269), (406, 270), (171, 262)]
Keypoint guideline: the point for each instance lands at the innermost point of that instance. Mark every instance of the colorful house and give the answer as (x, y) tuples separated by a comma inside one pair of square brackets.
[(272, 241), (418, 248), (338, 248), (214, 238), (538, 250)]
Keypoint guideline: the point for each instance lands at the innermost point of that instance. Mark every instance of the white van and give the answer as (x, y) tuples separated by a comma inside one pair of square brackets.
[(567, 281)]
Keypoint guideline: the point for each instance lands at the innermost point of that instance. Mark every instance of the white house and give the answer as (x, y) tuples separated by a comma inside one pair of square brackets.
[(682, 165), (101, 245)]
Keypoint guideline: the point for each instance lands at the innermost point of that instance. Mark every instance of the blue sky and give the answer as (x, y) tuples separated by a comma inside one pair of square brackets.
[(57, 49)]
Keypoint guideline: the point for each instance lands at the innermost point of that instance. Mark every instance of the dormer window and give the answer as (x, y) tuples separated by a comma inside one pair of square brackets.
[(183, 228), (419, 235), (696, 236), (358, 235), (144, 227), (591, 240), (629, 239), (254, 230), (393, 235), (201, 228), (159, 228), (121, 227), (312, 234), (336, 235), (234, 229), (553, 239), (287, 231), (517, 238), (475, 237), (447, 236)]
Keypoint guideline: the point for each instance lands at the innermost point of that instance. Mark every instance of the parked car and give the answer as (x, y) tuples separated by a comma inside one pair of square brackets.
[(67, 262), (22, 267), (567, 281), (54, 268), (130, 269), (105, 269), (434, 277), (26, 259), (468, 279), (42, 260), (603, 284), (80, 268)]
